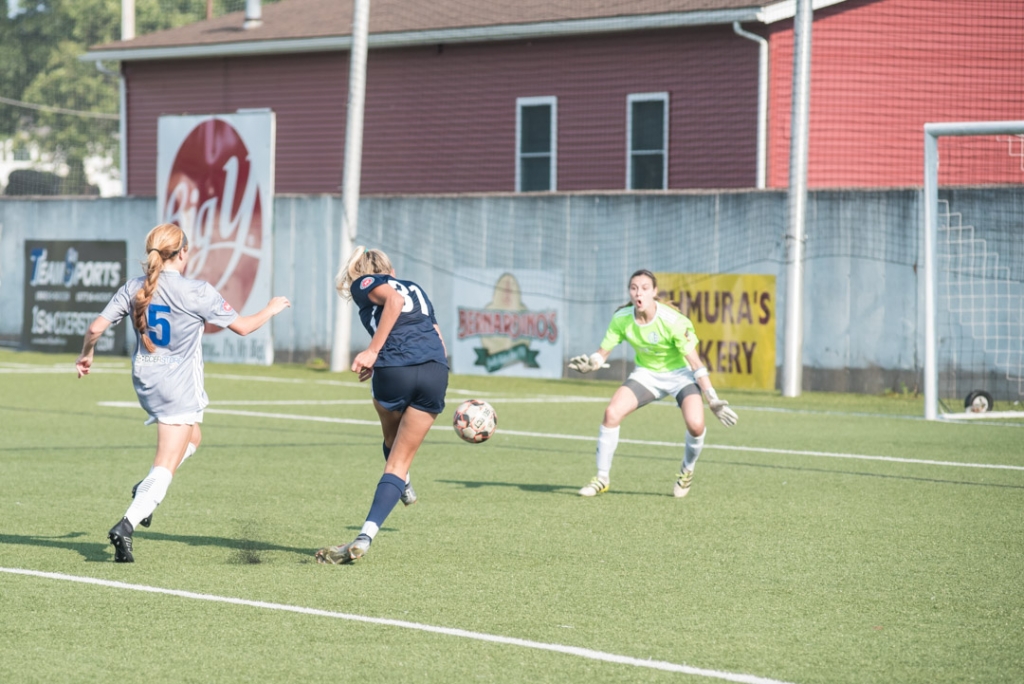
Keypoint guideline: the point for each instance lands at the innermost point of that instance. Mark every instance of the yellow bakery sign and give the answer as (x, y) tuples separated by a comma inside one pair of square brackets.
[(734, 316)]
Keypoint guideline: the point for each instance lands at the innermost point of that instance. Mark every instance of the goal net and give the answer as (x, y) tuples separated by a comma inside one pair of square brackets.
[(974, 270)]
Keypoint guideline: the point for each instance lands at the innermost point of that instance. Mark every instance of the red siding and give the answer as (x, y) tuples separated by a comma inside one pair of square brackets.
[(438, 122), (443, 120), (881, 69), (308, 93)]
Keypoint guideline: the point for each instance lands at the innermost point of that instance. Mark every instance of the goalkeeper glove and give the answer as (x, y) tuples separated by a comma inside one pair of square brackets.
[(586, 364), (720, 407)]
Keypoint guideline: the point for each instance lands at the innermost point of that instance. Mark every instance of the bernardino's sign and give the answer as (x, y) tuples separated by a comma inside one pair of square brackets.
[(215, 179), (67, 284), (507, 323), (734, 316)]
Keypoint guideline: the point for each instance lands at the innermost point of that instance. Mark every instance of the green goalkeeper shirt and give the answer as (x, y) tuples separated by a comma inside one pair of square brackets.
[(661, 345)]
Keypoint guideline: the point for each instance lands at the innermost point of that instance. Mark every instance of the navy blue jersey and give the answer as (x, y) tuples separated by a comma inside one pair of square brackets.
[(413, 340)]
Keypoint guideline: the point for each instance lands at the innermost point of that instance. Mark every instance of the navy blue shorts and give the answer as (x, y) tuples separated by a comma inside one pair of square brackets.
[(422, 387)]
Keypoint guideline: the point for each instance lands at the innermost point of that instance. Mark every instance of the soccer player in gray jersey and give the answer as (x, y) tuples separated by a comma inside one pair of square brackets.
[(169, 313)]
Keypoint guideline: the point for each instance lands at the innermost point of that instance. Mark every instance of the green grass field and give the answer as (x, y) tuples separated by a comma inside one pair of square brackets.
[(828, 538)]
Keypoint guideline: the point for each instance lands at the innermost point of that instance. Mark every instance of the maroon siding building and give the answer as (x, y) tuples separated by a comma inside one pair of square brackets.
[(580, 95)]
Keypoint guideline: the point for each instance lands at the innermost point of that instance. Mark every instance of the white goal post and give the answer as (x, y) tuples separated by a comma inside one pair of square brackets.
[(930, 233)]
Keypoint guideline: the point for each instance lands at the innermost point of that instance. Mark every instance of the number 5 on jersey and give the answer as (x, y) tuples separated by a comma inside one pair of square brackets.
[(159, 328)]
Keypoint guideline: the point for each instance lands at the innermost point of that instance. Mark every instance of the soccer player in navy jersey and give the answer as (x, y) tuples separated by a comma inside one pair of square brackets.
[(169, 313), (408, 363)]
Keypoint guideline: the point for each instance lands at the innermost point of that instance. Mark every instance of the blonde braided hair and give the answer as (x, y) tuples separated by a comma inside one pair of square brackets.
[(162, 244)]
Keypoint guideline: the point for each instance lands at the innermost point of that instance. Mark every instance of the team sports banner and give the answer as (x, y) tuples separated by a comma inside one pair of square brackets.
[(67, 284), (215, 179), (734, 316), (505, 325)]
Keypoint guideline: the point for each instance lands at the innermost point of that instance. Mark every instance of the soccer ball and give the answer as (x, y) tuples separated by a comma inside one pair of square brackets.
[(475, 421)]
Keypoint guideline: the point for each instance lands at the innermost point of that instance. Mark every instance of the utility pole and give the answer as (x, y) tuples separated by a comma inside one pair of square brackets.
[(340, 351), (793, 368)]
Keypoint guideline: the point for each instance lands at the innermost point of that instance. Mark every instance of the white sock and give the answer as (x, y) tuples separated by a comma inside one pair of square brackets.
[(369, 529), (607, 441), (693, 449), (148, 496), (189, 450)]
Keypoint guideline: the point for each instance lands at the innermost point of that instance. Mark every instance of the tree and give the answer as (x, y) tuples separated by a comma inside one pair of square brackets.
[(49, 98), (73, 85), (26, 40)]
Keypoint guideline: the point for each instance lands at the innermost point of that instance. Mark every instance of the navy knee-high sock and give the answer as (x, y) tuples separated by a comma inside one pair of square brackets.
[(389, 491)]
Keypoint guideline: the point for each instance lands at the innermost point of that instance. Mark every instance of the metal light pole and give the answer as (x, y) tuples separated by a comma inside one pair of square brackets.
[(127, 33), (340, 351), (792, 368)]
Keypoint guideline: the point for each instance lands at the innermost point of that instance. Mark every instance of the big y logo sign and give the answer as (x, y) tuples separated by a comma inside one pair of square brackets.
[(215, 180)]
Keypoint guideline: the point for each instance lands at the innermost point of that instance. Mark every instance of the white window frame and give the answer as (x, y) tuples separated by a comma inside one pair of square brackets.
[(646, 97), (553, 169)]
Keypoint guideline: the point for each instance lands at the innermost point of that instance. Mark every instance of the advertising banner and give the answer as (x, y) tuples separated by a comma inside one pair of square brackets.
[(504, 328), (67, 283), (734, 316), (215, 179)]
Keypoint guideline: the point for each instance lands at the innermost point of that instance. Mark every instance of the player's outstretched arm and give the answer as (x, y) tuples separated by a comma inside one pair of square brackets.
[(243, 325), (96, 329), (587, 364), (720, 407)]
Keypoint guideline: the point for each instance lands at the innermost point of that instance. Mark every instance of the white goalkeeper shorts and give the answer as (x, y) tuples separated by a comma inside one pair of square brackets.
[(671, 383)]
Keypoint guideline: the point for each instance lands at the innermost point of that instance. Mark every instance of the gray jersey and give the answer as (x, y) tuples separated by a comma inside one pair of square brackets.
[(169, 382)]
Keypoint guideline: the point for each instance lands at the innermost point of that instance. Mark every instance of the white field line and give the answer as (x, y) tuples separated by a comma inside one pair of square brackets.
[(447, 631), (353, 402), (787, 452), (982, 416), (547, 399), (66, 370), (123, 369), (254, 414), (584, 438), (120, 369)]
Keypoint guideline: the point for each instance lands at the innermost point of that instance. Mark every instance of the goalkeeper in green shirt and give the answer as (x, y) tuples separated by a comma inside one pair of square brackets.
[(667, 363)]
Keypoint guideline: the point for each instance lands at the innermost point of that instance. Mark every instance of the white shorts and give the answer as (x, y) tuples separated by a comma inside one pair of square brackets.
[(670, 383), (180, 419)]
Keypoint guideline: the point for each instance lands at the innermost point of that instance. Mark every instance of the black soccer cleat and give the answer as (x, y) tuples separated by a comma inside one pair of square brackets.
[(120, 536), (148, 520)]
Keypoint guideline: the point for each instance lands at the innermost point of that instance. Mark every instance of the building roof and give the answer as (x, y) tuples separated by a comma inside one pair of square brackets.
[(292, 26)]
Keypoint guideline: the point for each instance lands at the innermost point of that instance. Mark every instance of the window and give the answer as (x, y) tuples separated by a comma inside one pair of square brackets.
[(647, 141), (536, 144)]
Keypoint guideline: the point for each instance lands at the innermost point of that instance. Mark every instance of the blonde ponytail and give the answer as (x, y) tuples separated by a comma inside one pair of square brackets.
[(362, 262)]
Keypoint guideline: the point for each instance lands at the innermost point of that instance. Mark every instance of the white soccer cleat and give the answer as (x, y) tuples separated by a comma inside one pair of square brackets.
[(594, 487), (341, 555), (682, 486), (409, 495)]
